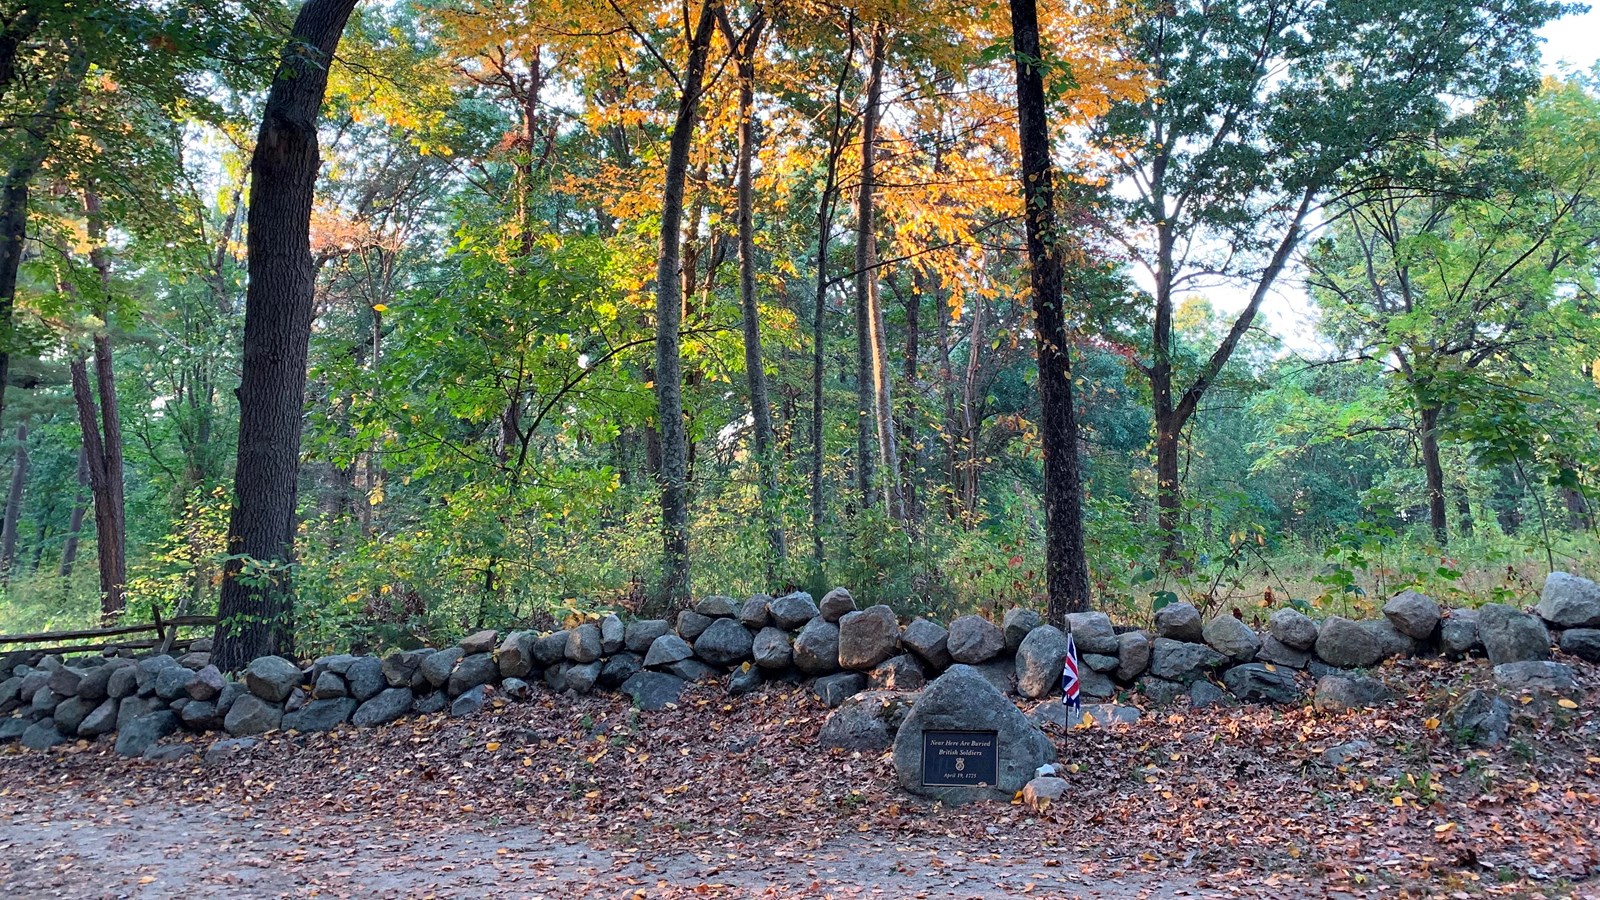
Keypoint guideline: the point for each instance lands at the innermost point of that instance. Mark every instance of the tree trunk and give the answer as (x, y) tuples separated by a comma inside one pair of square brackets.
[(669, 320), (1066, 570), (255, 610), (107, 518), (113, 536), (755, 369), (971, 415), (1169, 490), (1428, 437), (30, 155), (950, 427), (13, 34), (868, 367), (69, 550), (8, 531), (867, 289)]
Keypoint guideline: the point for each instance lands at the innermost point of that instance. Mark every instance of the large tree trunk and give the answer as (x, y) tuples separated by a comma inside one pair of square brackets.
[(1169, 489), (256, 607), (1428, 437), (69, 550), (1066, 570), (8, 531), (14, 32), (755, 368), (30, 152), (674, 473)]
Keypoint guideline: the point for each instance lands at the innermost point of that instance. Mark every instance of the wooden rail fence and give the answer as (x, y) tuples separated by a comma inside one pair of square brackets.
[(166, 636)]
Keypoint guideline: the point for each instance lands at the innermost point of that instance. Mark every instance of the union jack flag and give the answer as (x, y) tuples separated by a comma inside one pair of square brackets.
[(1069, 676)]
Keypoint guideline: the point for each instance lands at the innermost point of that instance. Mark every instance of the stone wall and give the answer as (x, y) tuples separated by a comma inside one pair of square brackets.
[(839, 650)]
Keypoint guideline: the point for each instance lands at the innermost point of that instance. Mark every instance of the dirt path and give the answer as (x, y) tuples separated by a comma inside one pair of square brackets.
[(63, 847)]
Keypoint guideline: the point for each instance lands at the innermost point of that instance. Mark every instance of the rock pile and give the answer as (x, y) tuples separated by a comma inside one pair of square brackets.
[(840, 649)]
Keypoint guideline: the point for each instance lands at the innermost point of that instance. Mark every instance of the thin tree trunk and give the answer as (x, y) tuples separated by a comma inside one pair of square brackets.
[(1428, 437), (826, 204), (8, 531), (867, 275), (971, 419), (1066, 569), (111, 511), (69, 550), (254, 616), (106, 519), (755, 369), (669, 321), (33, 147), (867, 287), (950, 427)]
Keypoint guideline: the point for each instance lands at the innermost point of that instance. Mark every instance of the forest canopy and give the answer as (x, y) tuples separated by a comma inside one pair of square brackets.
[(614, 303)]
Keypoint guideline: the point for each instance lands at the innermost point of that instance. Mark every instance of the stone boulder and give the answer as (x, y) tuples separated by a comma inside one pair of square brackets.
[(1390, 640), (1568, 601), (834, 689), (1458, 634), (1232, 638), (1133, 655), (1584, 643), (1254, 681), (962, 700), (613, 634), (899, 673), (42, 735), (1017, 624), (1180, 622), (1278, 653), (974, 639), (1093, 632), (866, 637), (1336, 692), (930, 641), (272, 678), (583, 643), (1040, 658), (207, 685), (1535, 675), (725, 643), (469, 703), (389, 705), (250, 714), (771, 650), (638, 636), (582, 677), (436, 667), (867, 721), (1293, 628), (325, 715), (515, 656), (816, 648), (478, 642), (1412, 614), (479, 668), (616, 670), (716, 606), (401, 668), (653, 690), (1479, 719), (1509, 635), (550, 649), (666, 650), (1183, 661), (793, 610), (836, 604), (1348, 645), (754, 613)]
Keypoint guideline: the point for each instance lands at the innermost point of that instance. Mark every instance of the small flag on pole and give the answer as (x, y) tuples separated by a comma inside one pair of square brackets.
[(1069, 676)]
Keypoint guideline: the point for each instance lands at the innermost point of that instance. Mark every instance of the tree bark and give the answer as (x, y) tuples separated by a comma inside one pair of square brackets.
[(1428, 437), (674, 472), (8, 531), (33, 148), (110, 508), (755, 368), (13, 34), (868, 289), (256, 607), (69, 550), (1066, 569)]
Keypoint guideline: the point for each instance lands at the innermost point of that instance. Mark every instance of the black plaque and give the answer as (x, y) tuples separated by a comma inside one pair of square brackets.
[(960, 758)]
